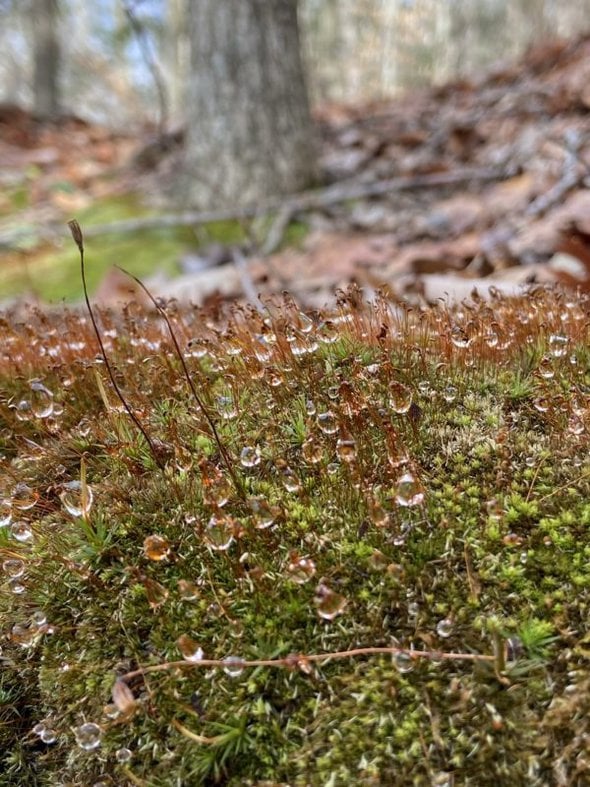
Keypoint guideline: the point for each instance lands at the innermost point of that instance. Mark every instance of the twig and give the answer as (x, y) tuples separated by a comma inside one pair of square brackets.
[(309, 200), (293, 661)]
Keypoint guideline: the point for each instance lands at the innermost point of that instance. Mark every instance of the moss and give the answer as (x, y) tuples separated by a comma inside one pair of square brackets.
[(454, 527)]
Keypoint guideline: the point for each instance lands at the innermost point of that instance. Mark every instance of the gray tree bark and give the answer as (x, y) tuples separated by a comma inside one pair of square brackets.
[(249, 132), (46, 55)]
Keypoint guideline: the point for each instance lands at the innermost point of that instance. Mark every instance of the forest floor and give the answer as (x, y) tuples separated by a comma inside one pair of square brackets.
[(479, 183)]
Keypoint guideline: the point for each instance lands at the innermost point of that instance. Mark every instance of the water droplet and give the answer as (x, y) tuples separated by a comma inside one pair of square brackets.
[(444, 628), (250, 456), (262, 352), (156, 594), (38, 728), (546, 368), (76, 498), (449, 393), (514, 649), (329, 604), (189, 649), (188, 590), (226, 407), (38, 619), (123, 755), (41, 400), (332, 468), (264, 513), (558, 345), (379, 515), (575, 425), (219, 533), (460, 338), (490, 338), (23, 410), (333, 392), (197, 348), (409, 491), (300, 569), (541, 404), (5, 513), (22, 531), (400, 398), (156, 547), (290, 480), (424, 388), (310, 407), (312, 451), (16, 586), (346, 450), (88, 736), (327, 422), (234, 666), (403, 662), (378, 561), (48, 735), (23, 634), (23, 497)]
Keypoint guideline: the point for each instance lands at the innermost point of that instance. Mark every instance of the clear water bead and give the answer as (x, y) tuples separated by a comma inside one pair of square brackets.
[(328, 603), (76, 498), (41, 400), (189, 649), (233, 666), (403, 662), (219, 533), (123, 755), (444, 628), (88, 736), (409, 491)]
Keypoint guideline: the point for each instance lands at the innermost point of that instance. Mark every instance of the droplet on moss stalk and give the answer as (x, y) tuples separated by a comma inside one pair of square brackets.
[(234, 666), (409, 491), (400, 398), (264, 513), (250, 456), (558, 345), (77, 498), (23, 410), (23, 497), (327, 422), (88, 736), (156, 547), (123, 755), (219, 533), (403, 662), (41, 400), (444, 628), (329, 604), (299, 569), (13, 567), (189, 649), (346, 450), (21, 531), (5, 513)]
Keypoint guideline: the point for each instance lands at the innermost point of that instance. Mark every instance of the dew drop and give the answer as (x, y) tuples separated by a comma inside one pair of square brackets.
[(188, 590), (332, 468), (123, 755), (156, 547), (444, 628), (403, 662), (541, 404), (300, 569), (76, 498), (262, 352), (327, 422), (546, 368), (329, 604), (13, 567), (226, 407), (5, 513), (575, 425), (198, 348), (219, 533), (327, 332), (312, 451), (250, 456), (23, 497), (48, 735), (38, 728), (156, 594), (22, 531), (234, 666), (409, 491), (491, 338), (264, 513), (460, 338), (558, 345), (449, 393), (88, 736), (310, 407), (23, 410), (189, 649), (400, 398), (346, 450), (41, 400), (290, 480)]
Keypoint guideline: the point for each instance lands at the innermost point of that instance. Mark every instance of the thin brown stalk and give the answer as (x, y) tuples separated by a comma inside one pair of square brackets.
[(204, 409), (79, 241)]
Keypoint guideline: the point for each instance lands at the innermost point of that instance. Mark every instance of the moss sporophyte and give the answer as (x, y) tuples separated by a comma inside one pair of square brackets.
[(280, 547)]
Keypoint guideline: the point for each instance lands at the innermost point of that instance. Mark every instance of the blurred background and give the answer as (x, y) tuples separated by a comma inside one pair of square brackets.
[(117, 112)]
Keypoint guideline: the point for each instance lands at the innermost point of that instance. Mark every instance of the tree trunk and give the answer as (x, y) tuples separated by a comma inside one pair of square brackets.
[(249, 128), (46, 58)]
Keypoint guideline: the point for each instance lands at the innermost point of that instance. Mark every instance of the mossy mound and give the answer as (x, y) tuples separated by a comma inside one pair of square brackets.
[(416, 481)]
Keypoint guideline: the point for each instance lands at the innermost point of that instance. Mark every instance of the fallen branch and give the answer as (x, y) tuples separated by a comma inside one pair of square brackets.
[(310, 200)]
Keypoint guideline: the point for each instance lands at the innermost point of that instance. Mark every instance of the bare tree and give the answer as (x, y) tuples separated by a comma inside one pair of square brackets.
[(249, 128), (46, 54)]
